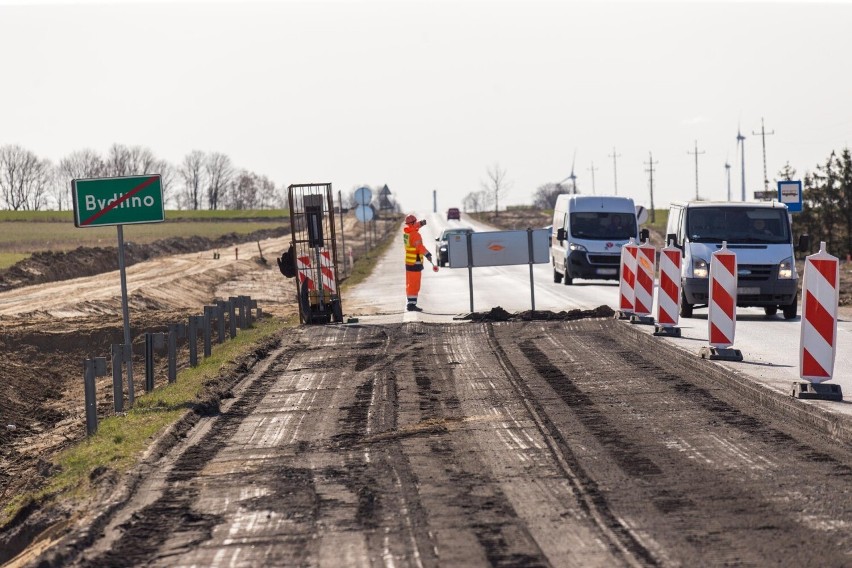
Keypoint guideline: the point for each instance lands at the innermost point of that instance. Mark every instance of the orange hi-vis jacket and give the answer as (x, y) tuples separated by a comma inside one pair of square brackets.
[(414, 249)]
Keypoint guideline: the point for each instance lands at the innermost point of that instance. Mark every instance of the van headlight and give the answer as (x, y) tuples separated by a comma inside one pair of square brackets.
[(785, 269), (575, 246), (699, 268)]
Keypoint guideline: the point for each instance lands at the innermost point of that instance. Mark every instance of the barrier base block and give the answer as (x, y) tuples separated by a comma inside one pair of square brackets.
[(666, 331), (622, 315), (721, 353), (817, 391), (642, 320)]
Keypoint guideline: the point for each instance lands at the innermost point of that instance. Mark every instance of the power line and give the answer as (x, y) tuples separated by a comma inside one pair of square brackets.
[(696, 153), (615, 168), (651, 163), (763, 134), (592, 169)]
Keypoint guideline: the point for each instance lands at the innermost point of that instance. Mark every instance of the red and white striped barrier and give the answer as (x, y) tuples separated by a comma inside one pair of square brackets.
[(327, 269), (722, 309), (303, 265), (643, 289), (722, 306), (627, 278), (668, 292), (307, 274), (820, 298)]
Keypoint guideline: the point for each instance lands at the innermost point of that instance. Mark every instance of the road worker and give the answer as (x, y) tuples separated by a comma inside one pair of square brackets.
[(414, 253)]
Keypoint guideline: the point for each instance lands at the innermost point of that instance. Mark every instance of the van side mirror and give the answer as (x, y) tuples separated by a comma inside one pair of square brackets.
[(644, 235), (560, 235), (804, 243)]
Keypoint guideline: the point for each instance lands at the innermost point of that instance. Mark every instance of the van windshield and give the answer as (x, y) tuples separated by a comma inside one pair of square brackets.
[(738, 225), (603, 226)]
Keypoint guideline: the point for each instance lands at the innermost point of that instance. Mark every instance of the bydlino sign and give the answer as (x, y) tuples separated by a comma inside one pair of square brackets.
[(127, 200)]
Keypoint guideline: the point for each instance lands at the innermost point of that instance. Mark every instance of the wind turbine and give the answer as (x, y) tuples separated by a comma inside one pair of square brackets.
[(741, 147), (572, 177)]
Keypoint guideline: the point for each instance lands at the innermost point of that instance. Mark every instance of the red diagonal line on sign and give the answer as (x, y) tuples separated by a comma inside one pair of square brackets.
[(810, 367), (716, 335), (668, 286), (828, 268), (645, 281), (674, 256), (124, 198), (641, 309), (664, 317), (729, 261), (723, 299), (820, 318), (625, 303), (629, 277)]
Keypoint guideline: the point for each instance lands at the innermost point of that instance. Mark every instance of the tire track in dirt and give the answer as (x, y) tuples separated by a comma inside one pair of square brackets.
[(722, 470), (590, 497)]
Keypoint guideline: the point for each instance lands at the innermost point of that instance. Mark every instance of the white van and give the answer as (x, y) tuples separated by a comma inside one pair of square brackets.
[(760, 235), (587, 235)]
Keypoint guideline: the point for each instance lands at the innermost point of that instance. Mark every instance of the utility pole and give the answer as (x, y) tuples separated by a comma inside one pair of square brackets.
[(615, 168), (763, 134), (696, 153), (651, 163), (741, 144), (728, 172), (592, 169), (434, 201)]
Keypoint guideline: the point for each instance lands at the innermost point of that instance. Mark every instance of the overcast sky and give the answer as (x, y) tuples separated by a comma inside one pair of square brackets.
[(425, 96)]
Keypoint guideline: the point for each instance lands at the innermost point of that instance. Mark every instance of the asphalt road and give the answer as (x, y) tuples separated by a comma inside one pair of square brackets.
[(418, 439)]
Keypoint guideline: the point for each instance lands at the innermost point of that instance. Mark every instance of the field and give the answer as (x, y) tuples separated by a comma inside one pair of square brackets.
[(24, 233)]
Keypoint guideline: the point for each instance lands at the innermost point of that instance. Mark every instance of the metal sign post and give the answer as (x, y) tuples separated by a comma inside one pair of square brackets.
[(119, 201)]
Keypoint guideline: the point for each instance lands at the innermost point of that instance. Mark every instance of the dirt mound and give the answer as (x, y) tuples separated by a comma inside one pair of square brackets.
[(499, 314), (48, 266)]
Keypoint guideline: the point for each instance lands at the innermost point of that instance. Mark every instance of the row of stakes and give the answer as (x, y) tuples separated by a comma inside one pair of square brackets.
[(239, 314)]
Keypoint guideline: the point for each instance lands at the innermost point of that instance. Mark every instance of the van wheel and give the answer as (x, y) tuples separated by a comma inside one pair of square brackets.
[(557, 278), (770, 310), (685, 307), (791, 311), (567, 280)]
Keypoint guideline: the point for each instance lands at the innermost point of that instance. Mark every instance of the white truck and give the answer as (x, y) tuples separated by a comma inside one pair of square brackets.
[(587, 235), (758, 232)]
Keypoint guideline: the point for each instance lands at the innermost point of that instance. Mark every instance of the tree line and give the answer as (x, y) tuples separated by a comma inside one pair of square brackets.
[(826, 203), (203, 180)]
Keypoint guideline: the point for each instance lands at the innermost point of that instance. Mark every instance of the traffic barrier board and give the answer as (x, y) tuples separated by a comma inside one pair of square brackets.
[(820, 298), (722, 307), (668, 292), (627, 278), (643, 289)]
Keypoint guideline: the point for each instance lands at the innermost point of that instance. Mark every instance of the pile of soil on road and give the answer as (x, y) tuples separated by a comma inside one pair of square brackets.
[(498, 314), (48, 266)]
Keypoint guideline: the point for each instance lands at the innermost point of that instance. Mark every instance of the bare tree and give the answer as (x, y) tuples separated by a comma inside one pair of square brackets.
[(219, 173), (267, 195), (496, 185), (167, 177), (192, 172), (124, 160), (24, 179), (545, 196), (476, 201), (244, 191), (80, 164)]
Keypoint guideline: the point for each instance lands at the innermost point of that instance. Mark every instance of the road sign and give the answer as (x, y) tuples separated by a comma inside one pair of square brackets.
[(127, 200), (790, 193), (364, 213), (765, 195), (363, 195)]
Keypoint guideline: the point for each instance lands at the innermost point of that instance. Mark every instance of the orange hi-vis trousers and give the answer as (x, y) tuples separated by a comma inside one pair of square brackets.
[(412, 285)]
